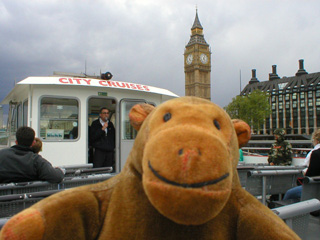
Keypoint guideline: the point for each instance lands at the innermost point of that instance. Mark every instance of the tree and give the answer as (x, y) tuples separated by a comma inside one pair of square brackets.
[(252, 108)]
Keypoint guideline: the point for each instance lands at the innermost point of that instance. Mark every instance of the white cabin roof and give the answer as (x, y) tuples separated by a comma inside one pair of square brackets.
[(85, 82)]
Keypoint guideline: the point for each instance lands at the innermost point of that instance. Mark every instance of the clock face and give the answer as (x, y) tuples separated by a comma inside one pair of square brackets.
[(203, 58), (189, 59)]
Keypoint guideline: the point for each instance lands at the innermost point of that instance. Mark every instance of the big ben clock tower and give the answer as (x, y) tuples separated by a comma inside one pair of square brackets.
[(197, 63)]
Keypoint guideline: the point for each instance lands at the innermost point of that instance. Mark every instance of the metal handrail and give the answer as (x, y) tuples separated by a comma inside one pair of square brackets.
[(300, 208), (272, 172)]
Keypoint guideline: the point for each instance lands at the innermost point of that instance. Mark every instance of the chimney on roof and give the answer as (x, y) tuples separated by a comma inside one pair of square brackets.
[(273, 75), (301, 70), (254, 79)]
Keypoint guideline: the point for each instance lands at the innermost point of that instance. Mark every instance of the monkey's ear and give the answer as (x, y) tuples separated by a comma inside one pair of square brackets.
[(243, 131), (138, 114)]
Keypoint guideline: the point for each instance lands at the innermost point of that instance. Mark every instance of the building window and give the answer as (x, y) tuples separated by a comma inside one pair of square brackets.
[(287, 97), (303, 119), (288, 121), (280, 98), (318, 93), (273, 106), (268, 125), (294, 96), (310, 112), (273, 99), (280, 105), (311, 123), (302, 104), (59, 118), (287, 105), (295, 121), (302, 95), (310, 94), (294, 104), (318, 117), (281, 119), (303, 123), (318, 102), (310, 103)]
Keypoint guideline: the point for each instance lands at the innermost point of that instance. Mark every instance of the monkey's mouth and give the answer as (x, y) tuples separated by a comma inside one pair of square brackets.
[(187, 185)]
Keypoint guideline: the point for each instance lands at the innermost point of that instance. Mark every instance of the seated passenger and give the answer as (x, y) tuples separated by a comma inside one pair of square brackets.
[(37, 146), (313, 163), (280, 153), (20, 164)]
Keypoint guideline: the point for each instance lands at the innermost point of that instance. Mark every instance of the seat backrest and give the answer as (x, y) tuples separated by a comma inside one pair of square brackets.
[(310, 188)]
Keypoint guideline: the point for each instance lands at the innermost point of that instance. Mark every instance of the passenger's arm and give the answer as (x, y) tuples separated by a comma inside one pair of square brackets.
[(48, 173)]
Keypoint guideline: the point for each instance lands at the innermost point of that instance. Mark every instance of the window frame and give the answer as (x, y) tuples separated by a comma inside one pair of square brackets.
[(78, 119)]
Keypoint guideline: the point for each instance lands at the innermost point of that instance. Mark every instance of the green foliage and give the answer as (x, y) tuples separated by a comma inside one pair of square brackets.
[(252, 108)]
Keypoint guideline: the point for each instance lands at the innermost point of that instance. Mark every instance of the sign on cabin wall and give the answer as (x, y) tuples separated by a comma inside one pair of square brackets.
[(54, 134)]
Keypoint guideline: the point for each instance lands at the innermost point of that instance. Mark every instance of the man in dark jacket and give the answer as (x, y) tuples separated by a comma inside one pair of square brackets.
[(20, 164), (102, 138)]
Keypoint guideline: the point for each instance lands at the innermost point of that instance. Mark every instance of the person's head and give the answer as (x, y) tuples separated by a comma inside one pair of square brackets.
[(279, 134), (25, 136), (104, 113), (316, 137), (37, 146)]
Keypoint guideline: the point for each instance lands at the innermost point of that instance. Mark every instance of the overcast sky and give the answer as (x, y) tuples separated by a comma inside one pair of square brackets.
[(143, 41)]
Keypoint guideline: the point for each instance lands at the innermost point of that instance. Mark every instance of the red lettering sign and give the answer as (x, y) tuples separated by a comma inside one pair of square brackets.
[(63, 80)]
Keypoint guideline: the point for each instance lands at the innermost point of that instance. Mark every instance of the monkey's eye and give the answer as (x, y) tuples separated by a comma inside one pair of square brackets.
[(167, 117), (217, 124)]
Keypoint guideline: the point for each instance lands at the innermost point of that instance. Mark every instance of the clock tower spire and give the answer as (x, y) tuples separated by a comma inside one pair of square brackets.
[(197, 63)]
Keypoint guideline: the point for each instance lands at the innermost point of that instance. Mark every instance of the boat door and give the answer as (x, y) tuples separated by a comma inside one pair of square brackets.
[(94, 105)]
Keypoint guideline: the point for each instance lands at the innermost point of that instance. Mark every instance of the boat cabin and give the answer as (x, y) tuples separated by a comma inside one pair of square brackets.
[(61, 110)]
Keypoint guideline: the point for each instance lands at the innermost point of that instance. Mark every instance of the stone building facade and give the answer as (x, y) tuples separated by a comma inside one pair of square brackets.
[(294, 101)]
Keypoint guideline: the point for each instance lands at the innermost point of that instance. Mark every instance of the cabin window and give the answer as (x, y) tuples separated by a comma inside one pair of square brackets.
[(19, 116), (59, 118), (25, 113), (128, 132)]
